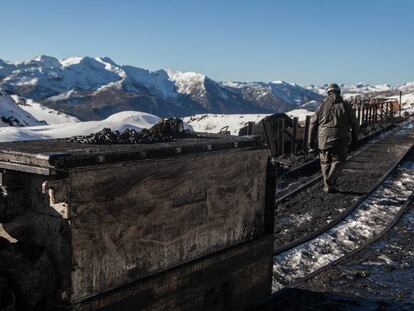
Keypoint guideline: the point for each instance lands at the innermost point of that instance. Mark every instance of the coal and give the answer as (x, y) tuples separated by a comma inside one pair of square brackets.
[(128, 136), (165, 131)]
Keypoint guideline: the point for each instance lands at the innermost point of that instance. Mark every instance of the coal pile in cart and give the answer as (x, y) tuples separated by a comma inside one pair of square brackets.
[(179, 223), (165, 131)]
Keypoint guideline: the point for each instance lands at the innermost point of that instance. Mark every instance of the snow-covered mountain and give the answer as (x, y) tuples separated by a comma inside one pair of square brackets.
[(277, 96), (94, 88), (12, 115)]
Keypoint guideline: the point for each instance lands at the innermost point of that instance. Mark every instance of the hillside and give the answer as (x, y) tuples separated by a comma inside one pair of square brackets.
[(12, 115), (41, 112)]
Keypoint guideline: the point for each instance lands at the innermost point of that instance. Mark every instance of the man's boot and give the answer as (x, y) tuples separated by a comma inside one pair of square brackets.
[(335, 172), (326, 168)]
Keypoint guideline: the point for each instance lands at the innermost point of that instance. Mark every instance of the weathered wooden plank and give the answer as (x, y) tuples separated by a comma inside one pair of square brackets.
[(294, 145), (134, 219), (306, 132), (60, 153), (234, 279), (280, 136)]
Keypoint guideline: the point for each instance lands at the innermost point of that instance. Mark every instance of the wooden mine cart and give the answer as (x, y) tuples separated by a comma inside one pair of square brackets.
[(180, 225)]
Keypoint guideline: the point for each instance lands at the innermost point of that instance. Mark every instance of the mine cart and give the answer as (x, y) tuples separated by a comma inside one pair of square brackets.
[(180, 225)]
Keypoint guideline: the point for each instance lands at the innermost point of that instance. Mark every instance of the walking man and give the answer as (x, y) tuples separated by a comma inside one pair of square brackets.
[(330, 134)]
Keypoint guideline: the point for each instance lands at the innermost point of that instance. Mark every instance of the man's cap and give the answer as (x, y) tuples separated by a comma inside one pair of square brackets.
[(332, 87)]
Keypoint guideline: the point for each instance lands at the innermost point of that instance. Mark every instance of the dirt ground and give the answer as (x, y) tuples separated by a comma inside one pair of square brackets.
[(311, 209), (293, 299), (384, 270)]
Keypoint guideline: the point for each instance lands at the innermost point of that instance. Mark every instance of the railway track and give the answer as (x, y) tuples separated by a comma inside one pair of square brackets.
[(309, 172), (348, 199), (355, 227)]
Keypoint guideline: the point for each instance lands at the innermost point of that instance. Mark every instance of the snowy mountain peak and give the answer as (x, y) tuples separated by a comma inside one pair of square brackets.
[(66, 62), (406, 87), (188, 82), (45, 61), (85, 61), (106, 60)]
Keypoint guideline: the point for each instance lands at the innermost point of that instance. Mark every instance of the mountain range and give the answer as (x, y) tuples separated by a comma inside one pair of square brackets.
[(95, 88), (86, 88)]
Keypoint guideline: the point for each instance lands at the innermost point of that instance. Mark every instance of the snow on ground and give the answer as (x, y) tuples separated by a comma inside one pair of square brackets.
[(119, 121), (213, 123), (407, 101), (407, 87), (43, 113), (311, 105), (300, 113), (12, 115), (367, 221)]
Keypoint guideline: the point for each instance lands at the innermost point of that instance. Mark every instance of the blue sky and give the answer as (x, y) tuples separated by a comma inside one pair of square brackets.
[(308, 41)]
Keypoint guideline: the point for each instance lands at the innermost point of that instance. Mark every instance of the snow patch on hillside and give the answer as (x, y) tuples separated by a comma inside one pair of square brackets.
[(12, 115), (300, 114), (43, 113), (190, 83), (311, 105), (213, 123), (119, 121)]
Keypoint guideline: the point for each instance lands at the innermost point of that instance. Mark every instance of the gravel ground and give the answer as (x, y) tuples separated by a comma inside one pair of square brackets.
[(370, 218), (311, 209), (289, 178), (294, 299), (384, 270)]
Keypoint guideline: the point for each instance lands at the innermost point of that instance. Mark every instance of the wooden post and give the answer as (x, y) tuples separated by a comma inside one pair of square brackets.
[(388, 109), (364, 114), (359, 113), (280, 136), (270, 137), (400, 102), (370, 113), (306, 132), (294, 146), (250, 128)]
